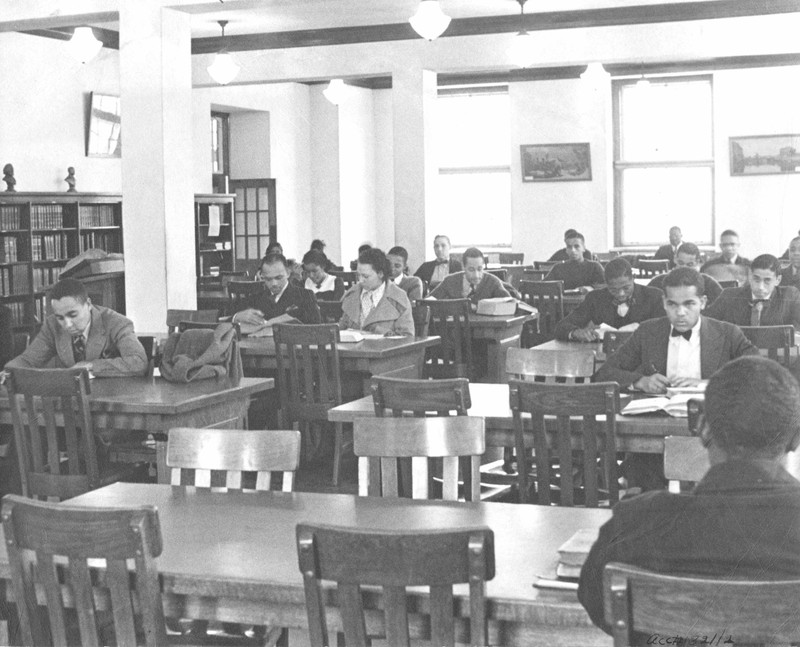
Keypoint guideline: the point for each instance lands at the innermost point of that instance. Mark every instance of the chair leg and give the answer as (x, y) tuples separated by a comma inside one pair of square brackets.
[(337, 452)]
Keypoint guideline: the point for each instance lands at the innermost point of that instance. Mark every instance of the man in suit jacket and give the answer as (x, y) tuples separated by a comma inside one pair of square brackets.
[(577, 272), (280, 301), (668, 252), (473, 283), (679, 349), (688, 255), (742, 521), (729, 245), (79, 334), (763, 302), (433, 272), (398, 266), (621, 303)]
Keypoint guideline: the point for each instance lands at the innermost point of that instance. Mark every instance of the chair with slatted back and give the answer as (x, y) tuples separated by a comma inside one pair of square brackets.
[(685, 460), (604, 257), (422, 319), (555, 366), (736, 611), (394, 560), (774, 341), (309, 383), (348, 278), (595, 438), (382, 443), (500, 273), (545, 265), (511, 258), (54, 436), (613, 341), (650, 267), (62, 541), (331, 311), (240, 293), (397, 396), (453, 356), (174, 317), (728, 284), (532, 274), (548, 298)]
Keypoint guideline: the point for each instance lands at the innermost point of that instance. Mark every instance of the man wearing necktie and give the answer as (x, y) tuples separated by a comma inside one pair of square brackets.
[(473, 283), (667, 252), (762, 302), (433, 272)]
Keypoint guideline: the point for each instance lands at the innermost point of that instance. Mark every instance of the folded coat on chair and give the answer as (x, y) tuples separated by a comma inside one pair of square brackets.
[(198, 354)]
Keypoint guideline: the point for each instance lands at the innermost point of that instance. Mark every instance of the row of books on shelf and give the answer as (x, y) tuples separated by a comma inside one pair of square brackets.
[(106, 240), (44, 277), (14, 280), (47, 216), (49, 247), (8, 249), (96, 215), (9, 216)]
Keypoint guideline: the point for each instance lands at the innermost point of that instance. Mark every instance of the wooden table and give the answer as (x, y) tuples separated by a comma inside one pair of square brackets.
[(238, 552), (643, 433), (144, 406), (500, 333)]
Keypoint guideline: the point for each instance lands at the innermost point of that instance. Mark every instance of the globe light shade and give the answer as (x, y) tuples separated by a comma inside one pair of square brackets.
[(335, 92), (595, 73), (83, 45), (429, 21), (224, 68), (523, 49)]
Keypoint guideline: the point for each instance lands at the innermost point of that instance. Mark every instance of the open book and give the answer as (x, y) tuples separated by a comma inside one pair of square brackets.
[(675, 406), (573, 552), (603, 328), (264, 328)]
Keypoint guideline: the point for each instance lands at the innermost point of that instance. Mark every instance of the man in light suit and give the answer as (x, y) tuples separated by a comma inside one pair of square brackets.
[(473, 283), (433, 272), (668, 252), (79, 334)]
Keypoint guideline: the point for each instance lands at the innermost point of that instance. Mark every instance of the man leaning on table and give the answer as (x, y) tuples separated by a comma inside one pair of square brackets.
[(762, 302), (742, 521), (82, 335), (577, 272), (622, 304), (473, 283)]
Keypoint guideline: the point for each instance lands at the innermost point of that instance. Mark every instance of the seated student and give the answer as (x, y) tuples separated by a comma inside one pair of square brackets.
[(622, 303), (280, 301), (375, 304), (433, 272), (472, 283), (319, 246), (742, 521), (398, 266), (791, 275), (325, 287), (6, 335), (688, 255), (763, 302), (679, 349), (577, 272), (79, 334), (668, 252), (361, 248), (561, 255), (729, 245)]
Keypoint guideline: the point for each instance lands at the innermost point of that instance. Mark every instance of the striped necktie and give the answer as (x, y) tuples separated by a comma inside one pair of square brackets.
[(79, 348)]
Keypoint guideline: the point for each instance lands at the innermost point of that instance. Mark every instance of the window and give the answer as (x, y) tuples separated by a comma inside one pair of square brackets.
[(473, 153), (663, 160)]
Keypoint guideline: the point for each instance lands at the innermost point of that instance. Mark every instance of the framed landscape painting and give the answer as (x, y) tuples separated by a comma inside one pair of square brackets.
[(556, 162), (765, 155)]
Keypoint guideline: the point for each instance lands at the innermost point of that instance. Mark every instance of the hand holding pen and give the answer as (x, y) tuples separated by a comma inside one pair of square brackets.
[(652, 381)]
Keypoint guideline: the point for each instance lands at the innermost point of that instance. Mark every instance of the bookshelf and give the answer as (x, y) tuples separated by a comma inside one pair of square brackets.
[(214, 236), (39, 233)]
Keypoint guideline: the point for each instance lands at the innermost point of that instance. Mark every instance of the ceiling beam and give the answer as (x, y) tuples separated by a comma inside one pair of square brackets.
[(108, 37)]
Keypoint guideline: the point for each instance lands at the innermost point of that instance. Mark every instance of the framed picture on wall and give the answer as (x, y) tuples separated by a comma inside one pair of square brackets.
[(765, 155), (556, 162)]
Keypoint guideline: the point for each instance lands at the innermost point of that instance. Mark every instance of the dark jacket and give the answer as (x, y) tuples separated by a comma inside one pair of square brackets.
[(665, 253), (561, 256), (741, 521), (576, 274), (598, 307), (720, 342), (720, 260), (733, 306), (712, 287), (295, 301), (790, 278), (425, 271)]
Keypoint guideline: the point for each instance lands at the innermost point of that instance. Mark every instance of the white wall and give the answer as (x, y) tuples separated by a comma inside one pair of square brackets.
[(384, 169), (249, 145)]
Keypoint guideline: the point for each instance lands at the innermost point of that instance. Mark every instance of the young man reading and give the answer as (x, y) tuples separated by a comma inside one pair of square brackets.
[(577, 272), (473, 283)]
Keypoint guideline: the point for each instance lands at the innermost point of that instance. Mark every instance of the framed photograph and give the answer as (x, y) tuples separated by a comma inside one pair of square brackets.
[(555, 162), (765, 155)]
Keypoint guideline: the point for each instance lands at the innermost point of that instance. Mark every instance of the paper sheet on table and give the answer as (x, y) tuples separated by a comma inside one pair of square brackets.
[(604, 328), (213, 220)]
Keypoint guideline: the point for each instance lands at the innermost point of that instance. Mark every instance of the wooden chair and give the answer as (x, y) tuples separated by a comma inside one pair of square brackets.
[(207, 325), (54, 435), (348, 278), (380, 443), (596, 439), (554, 366), (511, 258), (240, 292), (651, 267), (394, 560), (453, 356), (500, 273), (534, 274), (422, 319), (309, 382), (148, 342), (548, 298), (331, 311), (777, 341), (605, 257), (38, 532), (174, 317), (613, 341), (728, 272), (546, 266), (685, 459), (748, 612), (420, 397), (696, 415)]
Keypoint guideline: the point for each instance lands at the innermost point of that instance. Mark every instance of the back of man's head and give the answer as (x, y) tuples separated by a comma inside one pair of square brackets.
[(616, 268), (752, 408)]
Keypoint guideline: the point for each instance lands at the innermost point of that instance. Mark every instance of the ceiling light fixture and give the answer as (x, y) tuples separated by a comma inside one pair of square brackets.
[(335, 92), (83, 45), (224, 68), (429, 21), (523, 47)]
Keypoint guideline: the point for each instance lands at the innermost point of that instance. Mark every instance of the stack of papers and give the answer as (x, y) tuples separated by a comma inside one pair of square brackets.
[(675, 406), (573, 552)]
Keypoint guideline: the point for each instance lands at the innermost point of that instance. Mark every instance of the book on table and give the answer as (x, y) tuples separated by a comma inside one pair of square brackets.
[(675, 405), (573, 552)]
